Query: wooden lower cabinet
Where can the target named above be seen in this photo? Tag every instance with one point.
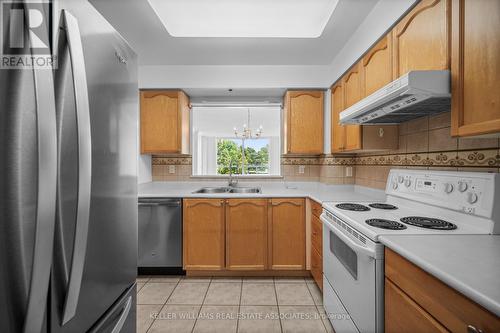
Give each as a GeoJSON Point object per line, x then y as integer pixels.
{"type": "Point", "coordinates": [317, 267]}
{"type": "Point", "coordinates": [414, 297]}
{"type": "Point", "coordinates": [203, 234]}
{"type": "Point", "coordinates": [287, 250]}
{"type": "Point", "coordinates": [316, 244]}
{"type": "Point", "coordinates": [246, 234]}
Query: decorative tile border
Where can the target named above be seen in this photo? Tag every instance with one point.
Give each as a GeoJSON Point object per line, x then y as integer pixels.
{"type": "Point", "coordinates": [172, 160]}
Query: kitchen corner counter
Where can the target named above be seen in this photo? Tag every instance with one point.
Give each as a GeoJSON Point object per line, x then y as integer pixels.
{"type": "Point", "coordinates": [316, 191]}
{"type": "Point", "coordinates": [468, 263]}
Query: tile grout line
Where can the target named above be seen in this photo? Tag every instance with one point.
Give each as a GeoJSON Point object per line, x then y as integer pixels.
{"type": "Point", "coordinates": [277, 304]}
{"type": "Point", "coordinates": [201, 306]}
{"type": "Point", "coordinates": [316, 306]}
{"type": "Point", "coordinates": [239, 307]}
{"type": "Point", "coordinates": [164, 304]}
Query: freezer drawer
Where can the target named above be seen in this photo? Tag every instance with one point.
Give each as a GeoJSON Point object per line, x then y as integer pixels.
{"type": "Point", "coordinates": [160, 233]}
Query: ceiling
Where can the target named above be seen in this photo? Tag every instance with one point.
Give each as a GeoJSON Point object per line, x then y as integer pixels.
{"type": "Point", "coordinates": [141, 27]}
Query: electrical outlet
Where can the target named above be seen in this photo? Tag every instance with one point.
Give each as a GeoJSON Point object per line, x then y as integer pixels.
{"type": "Point", "coordinates": [171, 169]}
{"type": "Point", "coordinates": [302, 169]}
{"type": "Point", "coordinates": [348, 171]}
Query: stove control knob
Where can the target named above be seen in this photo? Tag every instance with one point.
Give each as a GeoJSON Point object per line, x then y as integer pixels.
{"type": "Point", "coordinates": [394, 185]}
{"type": "Point", "coordinates": [400, 179]}
{"type": "Point", "coordinates": [472, 197]}
{"type": "Point", "coordinates": [448, 188]}
{"type": "Point", "coordinates": [408, 182]}
{"type": "Point", "coordinates": [462, 186]}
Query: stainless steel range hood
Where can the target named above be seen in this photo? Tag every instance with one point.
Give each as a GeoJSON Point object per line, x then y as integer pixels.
{"type": "Point", "coordinates": [416, 94]}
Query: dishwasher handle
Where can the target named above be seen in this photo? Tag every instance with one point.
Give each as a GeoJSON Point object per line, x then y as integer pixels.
{"type": "Point", "coordinates": [153, 203]}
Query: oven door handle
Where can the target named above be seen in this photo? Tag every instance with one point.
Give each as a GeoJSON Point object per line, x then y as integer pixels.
{"type": "Point", "coordinates": [352, 244]}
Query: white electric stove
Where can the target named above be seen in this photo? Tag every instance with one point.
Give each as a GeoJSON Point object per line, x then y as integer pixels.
{"type": "Point", "coordinates": [418, 202]}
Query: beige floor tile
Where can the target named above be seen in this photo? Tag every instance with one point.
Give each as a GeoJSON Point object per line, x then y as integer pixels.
{"type": "Point", "coordinates": [217, 319]}
{"type": "Point", "coordinates": [165, 278]}
{"type": "Point", "coordinates": [289, 279]}
{"type": "Point", "coordinates": [225, 293]}
{"type": "Point", "coordinates": [155, 293]}
{"type": "Point", "coordinates": [193, 279]}
{"type": "Point", "coordinates": [140, 285]}
{"type": "Point", "coordinates": [258, 294]}
{"type": "Point", "coordinates": [301, 319]}
{"type": "Point", "coordinates": [189, 293]}
{"type": "Point", "coordinates": [145, 316]}
{"type": "Point", "coordinates": [251, 279]}
{"type": "Point", "coordinates": [316, 294]}
{"type": "Point", "coordinates": [219, 279]}
{"type": "Point", "coordinates": [293, 294]}
{"type": "Point", "coordinates": [175, 319]}
{"type": "Point", "coordinates": [259, 319]}
{"type": "Point", "coordinates": [143, 278]}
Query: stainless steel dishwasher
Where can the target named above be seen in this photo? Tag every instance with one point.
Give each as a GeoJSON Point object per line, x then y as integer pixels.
{"type": "Point", "coordinates": [160, 235]}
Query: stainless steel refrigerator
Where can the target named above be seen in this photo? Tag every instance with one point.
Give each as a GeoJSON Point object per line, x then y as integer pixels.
{"type": "Point", "coordinates": [68, 181]}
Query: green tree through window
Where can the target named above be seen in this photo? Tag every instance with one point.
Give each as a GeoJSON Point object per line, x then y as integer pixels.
{"type": "Point", "coordinates": [256, 161]}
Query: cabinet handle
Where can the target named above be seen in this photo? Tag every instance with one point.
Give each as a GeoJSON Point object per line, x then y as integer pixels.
{"type": "Point", "coordinates": [472, 329]}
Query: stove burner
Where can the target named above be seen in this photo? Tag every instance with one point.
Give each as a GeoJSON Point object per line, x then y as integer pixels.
{"type": "Point", "coordinates": [429, 223]}
{"type": "Point", "coordinates": [385, 224]}
{"type": "Point", "coordinates": [353, 207]}
{"type": "Point", "coordinates": [382, 206]}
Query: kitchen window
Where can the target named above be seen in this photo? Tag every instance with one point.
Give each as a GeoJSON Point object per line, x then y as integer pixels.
{"type": "Point", "coordinates": [239, 140]}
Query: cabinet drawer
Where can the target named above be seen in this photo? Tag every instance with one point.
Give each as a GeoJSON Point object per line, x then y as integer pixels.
{"type": "Point", "coordinates": [452, 309]}
{"type": "Point", "coordinates": [317, 234]}
{"type": "Point", "coordinates": [402, 314]}
{"type": "Point", "coordinates": [316, 208]}
{"type": "Point", "coordinates": [317, 268]}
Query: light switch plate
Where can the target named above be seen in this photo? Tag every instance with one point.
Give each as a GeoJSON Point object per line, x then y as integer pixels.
{"type": "Point", "coordinates": [171, 169]}
{"type": "Point", "coordinates": [302, 169]}
{"type": "Point", "coordinates": [348, 171]}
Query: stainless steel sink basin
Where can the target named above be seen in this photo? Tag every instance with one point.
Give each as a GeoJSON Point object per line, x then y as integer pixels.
{"type": "Point", "coordinates": [218, 190]}
{"type": "Point", "coordinates": [208, 190]}
{"type": "Point", "coordinates": [245, 190]}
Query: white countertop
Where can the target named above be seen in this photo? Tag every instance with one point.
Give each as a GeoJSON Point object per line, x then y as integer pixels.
{"type": "Point", "coordinates": [314, 190]}
{"type": "Point", "coordinates": [468, 263]}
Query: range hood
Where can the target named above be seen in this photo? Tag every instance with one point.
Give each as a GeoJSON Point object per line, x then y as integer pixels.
{"type": "Point", "coordinates": [416, 94]}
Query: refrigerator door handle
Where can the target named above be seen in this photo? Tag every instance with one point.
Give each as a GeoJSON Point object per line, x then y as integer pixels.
{"type": "Point", "coordinates": [70, 26]}
{"type": "Point", "coordinates": [46, 197]}
{"type": "Point", "coordinates": [126, 310]}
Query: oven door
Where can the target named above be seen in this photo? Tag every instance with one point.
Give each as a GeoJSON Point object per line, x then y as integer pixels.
{"type": "Point", "coordinates": [354, 269]}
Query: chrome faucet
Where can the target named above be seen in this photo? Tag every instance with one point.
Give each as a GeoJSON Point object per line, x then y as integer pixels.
{"type": "Point", "coordinates": [232, 182]}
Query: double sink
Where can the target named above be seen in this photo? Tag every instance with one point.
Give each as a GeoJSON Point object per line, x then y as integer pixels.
{"type": "Point", "coordinates": [228, 189]}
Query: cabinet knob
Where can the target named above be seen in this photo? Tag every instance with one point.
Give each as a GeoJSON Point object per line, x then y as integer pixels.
{"type": "Point", "coordinates": [472, 329]}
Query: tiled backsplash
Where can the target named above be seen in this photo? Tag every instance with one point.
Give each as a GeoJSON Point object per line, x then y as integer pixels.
{"type": "Point", "coordinates": [424, 143]}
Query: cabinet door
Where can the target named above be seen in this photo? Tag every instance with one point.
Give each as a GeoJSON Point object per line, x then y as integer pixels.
{"type": "Point", "coordinates": [305, 122]}
{"type": "Point", "coordinates": [160, 122]}
{"type": "Point", "coordinates": [403, 315]}
{"type": "Point", "coordinates": [338, 131]}
{"type": "Point", "coordinates": [203, 234]}
{"type": "Point", "coordinates": [246, 234]}
{"type": "Point", "coordinates": [287, 243]}
{"type": "Point", "coordinates": [475, 67]}
{"type": "Point", "coordinates": [421, 38]}
{"type": "Point", "coordinates": [352, 95]}
{"type": "Point", "coordinates": [376, 66]}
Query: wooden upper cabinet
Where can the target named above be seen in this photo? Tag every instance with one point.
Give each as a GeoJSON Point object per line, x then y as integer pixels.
{"type": "Point", "coordinates": [337, 130]}
{"type": "Point", "coordinates": [164, 122]}
{"type": "Point", "coordinates": [352, 94]}
{"type": "Point", "coordinates": [246, 234]}
{"type": "Point", "coordinates": [421, 38]}
{"type": "Point", "coordinates": [475, 68]}
{"type": "Point", "coordinates": [287, 245]}
{"type": "Point", "coordinates": [304, 122]}
{"type": "Point", "coordinates": [203, 234]}
{"type": "Point", "coordinates": [376, 66]}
